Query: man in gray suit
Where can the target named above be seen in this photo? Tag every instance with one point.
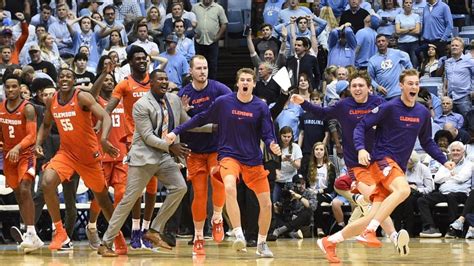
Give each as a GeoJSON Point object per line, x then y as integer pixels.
{"type": "Point", "coordinates": [156, 113]}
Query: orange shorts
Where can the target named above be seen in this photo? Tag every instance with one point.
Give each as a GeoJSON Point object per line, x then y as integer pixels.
{"type": "Point", "coordinates": [362, 174]}
{"type": "Point", "coordinates": [24, 169]}
{"type": "Point", "coordinates": [115, 173]}
{"type": "Point", "coordinates": [384, 172]}
{"type": "Point", "coordinates": [65, 166]}
{"type": "Point", "coordinates": [255, 177]}
{"type": "Point", "coordinates": [200, 164]}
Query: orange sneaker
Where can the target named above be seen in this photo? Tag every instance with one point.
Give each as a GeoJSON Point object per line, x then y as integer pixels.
{"type": "Point", "coordinates": [369, 239]}
{"type": "Point", "coordinates": [120, 245]}
{"type": "Point", "coordinates": [328, 248]}
{"type": "Point", "coordinates": [198, 247]}
{"type": "Point", "coordinates": [218, 231]}
{"type": "Point", "coordinates": [59, 239]}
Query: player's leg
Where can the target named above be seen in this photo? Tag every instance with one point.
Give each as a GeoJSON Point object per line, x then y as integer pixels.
{"type": "Point", "coordinates": [198, 174]}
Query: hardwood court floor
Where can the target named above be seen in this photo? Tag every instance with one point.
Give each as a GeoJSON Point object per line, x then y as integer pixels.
{"type": "Point", "coordinates": [287, 252]}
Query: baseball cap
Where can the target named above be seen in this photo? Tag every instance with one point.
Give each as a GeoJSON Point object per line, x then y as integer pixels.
{"type": "Point", "coordinates": [374, 22]}
{"type": "Point", "coordinates": [34, 47]}
{"type": "Point", "coordinates": [341, 86]}
{"type": "Point", "coordinates": [6, 31]}
{"type": "Point", "coordinates": [172, 38]}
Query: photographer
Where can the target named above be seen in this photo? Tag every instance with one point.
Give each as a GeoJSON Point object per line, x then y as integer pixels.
{"type": "Point", "coordinates": [295, 208]}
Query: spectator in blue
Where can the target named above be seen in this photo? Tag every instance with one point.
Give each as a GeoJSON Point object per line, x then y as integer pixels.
{"type": "Point", "coordinates": [44, 17]}
{"type": "Point", "coordinates": [385, 67]}
{"type": "Point", "coordinates": [459, 79]}
{"type": "Point", "coordinates": [388, 12]}
{"type": "Point", "coordinates": [90, 7]}
{"type": "Point", "coordinates": [355, 15]}
{"type": "Point", "coordinates": [338, 6]}
{"type": "Point", "coordinates": [342, 45]}
{"type": "Point", "coordinates": [177, 14]}
{"type": "Point", "coordinates": [177, 67]}
{"type": "Point", "coordinates": [110, 22]}
{"type": "Point", "coordinates": [290, 117]}
{"type": "Point", "coordinates": [185, 44]}
{"type": "Point", "coordinates": [293, 10]}
{"type": "Point", "coordinates": [448, 115]}
{"type": "Point", "coordinates": [437, 24]}
{"type": "Point", "coordinates": [303, 29]}
{"type": "Point", "coordinates": [408, 28]}
{"type": "Point", "coordinates": [59, 30]}
{"type": "Point", "coordinates": [365, 38]}
{"type": "Point", "coordinates": [271, 11]}
{"type": "Point", "coordinates": [418, 7]}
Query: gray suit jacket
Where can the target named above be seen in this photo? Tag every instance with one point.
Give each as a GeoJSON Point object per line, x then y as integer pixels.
{"type": "Point", "coordinates": [147, 146]}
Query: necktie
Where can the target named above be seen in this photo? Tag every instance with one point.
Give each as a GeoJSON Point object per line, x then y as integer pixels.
{"type": "Point", "coordinates": [164, 125]}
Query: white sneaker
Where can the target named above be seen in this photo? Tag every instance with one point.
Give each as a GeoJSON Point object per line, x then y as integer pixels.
{"type": "Point", "coordinates": [239, 244]}
{"type": "Point", "coordinates": [93, 237]}
{"type": "Point", "coordinates": [470, 233]}
{"type": "Point", "coordinates": [31, 242]}
{"type": "Point", "coordinates": [297, 234]}
{"type": "Point", "coordinates": [263, 250]}
{"type": "Point", "coordinates": [403, 238]}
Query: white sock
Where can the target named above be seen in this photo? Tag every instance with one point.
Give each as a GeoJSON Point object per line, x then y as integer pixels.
{"type": "Point", "coordinates": [92, 225]}
{"type": "Point", "coordinates": [393, 236]}
{"type": "Point", "coordinates": [238, 232]}
{"type": "Point", "coordinates": [198, 234]}
{"type": "Point", "coordinates": [342, 224]}
{"type": "Point", "coordinates": [336, 238]}
{"type": "Point", "coordinates": [135, 224]}
{"type": "Point", "coordinates": [53, 226]}
{"type": "Point", "coordinates": [261, 238]}
{"type": "Point", "coordinates": [373, 225]}
{"type": "Point", "coordinates": [31, 229]}
{"type": "Point", "coordinates": [145, 225]}
{"type": "Point", "coordinates": [217, 216]}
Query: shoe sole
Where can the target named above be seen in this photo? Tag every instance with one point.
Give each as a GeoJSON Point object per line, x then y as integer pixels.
{"type": "Point", "coordinates": [321, 247]}
{"type": "Point", "coordinates": [16, 234]}
{"type": "Point", "coordinates": [239, 245]}
{"type": "Point", "coordinates": [62, 246]}
{"type": "Point", "coordinates": [261, 255]}
{"type": "Point", "coordinates": [368, 244]}
{"type": "Point", "coordinates": [402, 243]}
{"type": "Point", "coordinates": [430, 235]}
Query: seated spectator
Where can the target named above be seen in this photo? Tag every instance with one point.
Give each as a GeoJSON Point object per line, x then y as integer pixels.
{"type": "Point", "coordinates": [84, 78]}
{"type": "Point", "coordinates": [429, 66]}
{"type": "Point", "coordinates": [185, 45]}
{"type": "Point", "coordinates": [329, 85]}
{"type": "Point", "coordinates": [342, 45]}
{"type": "Point", "coordinates": [48, 51]}
{"type": "Point", "coordinates": [177, 13]}
{"type": "Point", "coordinates": [290, 162]}
{"type": "Point", "coordinates": [295, 209]}
{"type": "Point", "coordinates": [457, 227]}
{"type": "Point", "coordinates": [177, 67]}
{"type": "Point", "coordinates": [321, 177]}
{"type": "Point", "coordinates": [143, 40]}
{"type": "Point", "coordinates": [44, 17]}
{"type": "Point", "coordinates": [155, 24]}
{"type": "Point", "coordinates": [448, 115]}
{"type": "Point", "coordinates": [454, 187]}
{"type": "Point", "coordinates": [442, 138]}
{"type": "Point", "coordinates": [458, 134]}
{"type": "Point", "coordinates": [421, 183]}
{"type": "Point", "coordinates": [28, 75]}
{"type": "Point", "coordinates": [266, 88]}
{"type": "Point", "coordinates": [116, 44]}
{"type": "Point", "coordinates": [60, 33]}
{"type": "Point", "coordinates": [41, 65]}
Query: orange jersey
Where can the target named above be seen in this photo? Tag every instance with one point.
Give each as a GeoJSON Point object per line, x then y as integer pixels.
{"type": "Point", "coordinates": [117, 132]}
{"type": "Point", "coordinates": [130, 90]}
{"type": "Point", "coordinates": [77, 137]}
{"type": "Point", "coordinates": [13, 126]}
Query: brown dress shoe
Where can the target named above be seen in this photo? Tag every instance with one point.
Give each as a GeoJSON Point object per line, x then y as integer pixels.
{"type": "Point", "coordinates": [155, 238]}
{"type": "Point", "coordinates": [105, 251]}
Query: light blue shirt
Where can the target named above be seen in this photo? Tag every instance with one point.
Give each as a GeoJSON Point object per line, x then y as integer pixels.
{"type": "Point", "coordinates": [407, 22]}
{"type": "Point", "coordinates": [337, 6]}
{"type": "Point", "coordinates": [453, 118]}
{"type": "Point", "coordinates": [186, 47]}
{"type": "Point", "coordinates": [388, 27]}
{"type": "Point", "coordinates": [290, 116]}
{"type": "Point", "coordinates": [287, 13]}
{"type": "Point", "coordinates": [385, 69]}
{"type": "Point", "coordinates": [367, 47]}
{"type": "Point", "coordinates": [271, 11]}
{"type": "Point", "coordinates": [437, 23]}
{"type": "Point", "coordinates": [459, 75]}
{"type": "Point", "coordinates": [90, 40]}
{"type": "Point", "coordinates": [177, 67]}
{"type": "Point", "coordinates": [341, 55]}
{"type": "Point", "coordinates": [62, 36]}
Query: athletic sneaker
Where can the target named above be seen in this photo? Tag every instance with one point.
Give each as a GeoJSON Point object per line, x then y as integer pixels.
{"type": "Point", "coordinates": [470, 233]}
{"type": "Point", "coordinates": [136, 239]}
{"type": "Point", "coordinates": [403, 238]}
{"type": "Point", "coordinates": [146, 243]}
{"type": "Point", "coordinates": [263, 250]}
{"type": "Point", "coordinates": [31, 242]}
{"type": "Point", "coordinates": [93, 237]}
{"type": "Point", "coordinates": [16, 234]}
{"type": "Point", "coordinates": [431, 232]}
{"type": "Point", "coordinates": [297, 234]}
{"type": "Point", "coordinates": [198, 247]}
{"type": "Point", "coordinates": [120, 245]}
{"type": "Point", "coordinates": [457, 225]}
{"type": "Point", "coordinates": [369, 239]}
{"type": "Point", "coordinates": [106, 251]}
{"type": "Point", "coordinates": [59, 239]}
{"type": "Point", "coordinates": [239, 243]}
{"type": "Point", "coordinates": [451, 233]}
{"type": "Point", "coordinates": [218, 231]}
{"type": "Point", "coordinates": [329, 249]}
{"type": "Point", "coordinates": [67, 246]}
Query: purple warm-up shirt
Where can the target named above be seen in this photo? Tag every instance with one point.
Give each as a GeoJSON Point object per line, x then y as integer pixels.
{"type": "Point", "coordinates": [398, 126]}
{"type": "Point", "coordinates": [201, 100]}
{"type": "Point", "coordinates": [240, 127]}
{"type": "Point", "coordinates": [348, 112]}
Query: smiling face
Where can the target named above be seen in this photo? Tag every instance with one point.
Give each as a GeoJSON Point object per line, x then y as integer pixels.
{"type": "Point", "coordinates": [457, 153]}
{"type": "Point", "coordinates": [266, 32]}
{"type": "Point", "coordinates": [139, 62]}
{"type": "Point", "coordinates": [410, 87]}
{"type": "Point", "coordinates": [66, 80]}
{"type": "Point", "coordinates": [359, 90]}
{"type": "Point", "coordinates": [12, 89]}
{"type": "Point", "coordinates": [319, 151]}
{"type": "Point", "coordinates": [303, 84]}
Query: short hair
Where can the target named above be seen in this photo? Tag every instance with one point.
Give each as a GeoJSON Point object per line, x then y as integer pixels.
{"type": "Point", "coordinates": [363, 74]}
{"type": "Point", "coordinates": [300, 18]}
{"type": "Point", "coordinates": [154, 72]}
{"type": "Point", "coordinates": [107, 8]}
{"type": "Point", "coordinates": [61, 5]}
{"type": "Point", "coordinates": [198, 56]}
{"type": "Point", "coordinates": [39, 84]}
{"type": "Point", "coordinates": [380, 36]}
{"type": "Point", "coordinates": [12, 76]}
{"type": "Point", "coordinates": [459, 39]}
{"type": "Point", "coordinates": [135, 49]}
{"type": "Point", "coordinates": [316, 94]}
{"type": "Point", "coordinates": [264, 25]}
{"type": "Point", "coordinates": [177, 21]}
{"type": "Point", "coordinates": [408, 72]}
{"type": "Point", "coordinates": [80, 21]}
{"type": "Point", "coordinates": [66, 69]}
{"type": "Point", "coordinates": [246, 70]}
{"type": "Point", "coordinates": [80, 56]}
{"type": "Point", "coordinates": [306, 42]}
{"type": "Point", "coordinates": [3, 47]}
{"type": "Point", "coordinates": [46, 7]}
{"type": "Point", "coordinates": [142, 25]}
{"type": "Point", "coordinates": [267, 65]}
{"type": "Point", "coordinates": [456, 143]}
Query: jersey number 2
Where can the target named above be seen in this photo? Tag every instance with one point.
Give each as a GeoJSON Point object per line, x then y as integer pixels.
{"type": "Point", "coordinates": [66, 124]}
{"type": "Point", "coordinates": [11, 132]}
